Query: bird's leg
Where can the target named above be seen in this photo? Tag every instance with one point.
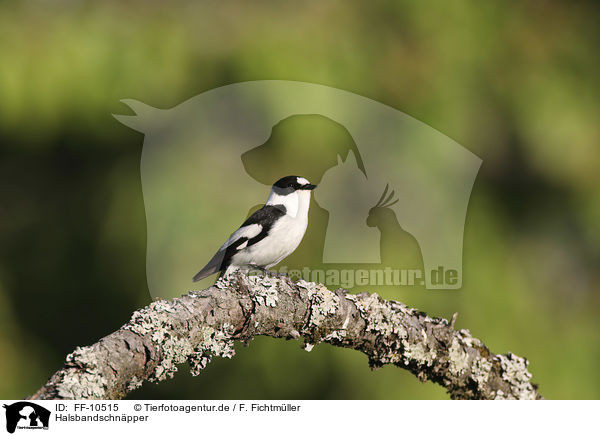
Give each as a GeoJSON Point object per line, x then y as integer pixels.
{"type": "Point", "coordinates": [256, 268]}
{"type": "Point", "coordinates": [265, 271]}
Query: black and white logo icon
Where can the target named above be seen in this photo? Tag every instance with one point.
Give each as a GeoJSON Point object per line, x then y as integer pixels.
{"type": "Point", "coordinates": [26, 415]}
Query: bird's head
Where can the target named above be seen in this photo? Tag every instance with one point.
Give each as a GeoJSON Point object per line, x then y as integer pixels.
{"type": "Point", "coordinates": [291, 192]}
{"type": "Point", "coordinates": [290, 184]}
{"type": "Point", "coordinates": [382, 211]}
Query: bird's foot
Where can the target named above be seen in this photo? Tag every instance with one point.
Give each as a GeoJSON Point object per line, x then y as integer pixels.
{"type": "Point", "coordinates": [260, 270]}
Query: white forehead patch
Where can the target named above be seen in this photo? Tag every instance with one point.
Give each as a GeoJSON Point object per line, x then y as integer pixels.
{"type": "Point", "coordinates": [302, 181]}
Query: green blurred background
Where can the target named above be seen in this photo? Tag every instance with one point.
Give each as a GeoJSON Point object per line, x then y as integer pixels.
{"type": "Point", "coordinates": [514, 82]}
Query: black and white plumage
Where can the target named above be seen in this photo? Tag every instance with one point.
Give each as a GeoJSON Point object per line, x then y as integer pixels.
{"type": "Point", "coordinates": [270, 234]}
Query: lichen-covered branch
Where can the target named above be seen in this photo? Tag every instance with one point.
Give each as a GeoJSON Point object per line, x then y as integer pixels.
{"type": "Point", "coordinates": [238, 307]}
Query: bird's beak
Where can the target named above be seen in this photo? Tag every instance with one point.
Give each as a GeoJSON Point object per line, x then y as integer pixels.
{"type": "Point", "coordinates": [309, 187]}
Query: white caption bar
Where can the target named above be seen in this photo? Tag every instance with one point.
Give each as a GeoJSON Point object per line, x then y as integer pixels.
{"type": "Point", "coordinates": [297, 417]}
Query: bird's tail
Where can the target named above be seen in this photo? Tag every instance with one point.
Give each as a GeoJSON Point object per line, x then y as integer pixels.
{"type": "Point", "coordinates": [204, 272]}
{"type": "Point", "coordinates": [213, 266]}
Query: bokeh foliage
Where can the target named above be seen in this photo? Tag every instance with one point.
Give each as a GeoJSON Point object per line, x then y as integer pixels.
{"type": "Point", "coordinates": [514, 82]}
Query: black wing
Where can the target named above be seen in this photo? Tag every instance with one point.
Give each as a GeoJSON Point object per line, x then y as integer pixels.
{"type": "Point", "coordinates": [265, 217]}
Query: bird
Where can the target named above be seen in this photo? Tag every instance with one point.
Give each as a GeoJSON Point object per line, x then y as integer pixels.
{"type": "Point", "coordinates": [270, 234]}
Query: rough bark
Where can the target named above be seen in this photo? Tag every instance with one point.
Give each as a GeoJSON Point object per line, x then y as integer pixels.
{"type": "Point", "coordinates": [202, 324]}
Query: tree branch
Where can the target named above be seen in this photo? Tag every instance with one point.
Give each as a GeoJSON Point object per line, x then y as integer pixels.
{"type": "Point", "coordinates": [202, 324]}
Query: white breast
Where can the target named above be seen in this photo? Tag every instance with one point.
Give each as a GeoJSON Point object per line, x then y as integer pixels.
{"type": "Point", "coordinates": [283, 238]}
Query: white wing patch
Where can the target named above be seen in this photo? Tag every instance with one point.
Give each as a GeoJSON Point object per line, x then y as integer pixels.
{"type": "Point", "coordinates": [243, 245]}
{"type": "Point", "coordinates": [243, 232]}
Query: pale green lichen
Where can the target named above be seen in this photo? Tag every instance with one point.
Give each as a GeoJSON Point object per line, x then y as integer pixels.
{"type": "Point", "coordinates": [89, 383]}
{"type": "Point", "coordinates": [462, 362]}
{"type": "Point", "coordinates": [380, 317]}
{"type": "Point", "coordinates": [458, 359]}
{"type": "Point", "coordinates": [515, 373]}
{"type": "Point", "coordinates": [151, 319]}
{"type": "Point", "coordinates": [340, 334]}
{"type": "Point", "coordinates": [264, 289]}
{"type": "Point", "coordinates": [156, 321]}
{"type": "Point", "coordinates": [418, 352]}
{"type": "Point", "coordinates": [323, 302]}
{"type": "Point", "coordinates": [308, 347]}
{"type": "Point", "coordinates": [387, 318]}
{"type": "Point", "coordinates": [175, 352]}
{"type": "Point", "coordinates": [500, 395]}
{"type": "Point", "coordinates": [479, 367]}
{"type": "Point", "coordinates": [480, 370]}
{"type": "Point", "coordinates": [335, 336]}
{"type": "Point", "coordinates": [134, 383]}
{"type": "Point", "coordinates": [213, 343]}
